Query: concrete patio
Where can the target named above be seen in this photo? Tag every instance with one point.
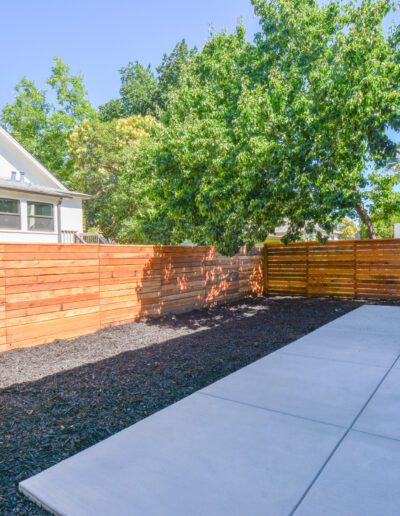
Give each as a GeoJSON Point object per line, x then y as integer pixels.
{"type": "Point", "coordinates": [311, 429]}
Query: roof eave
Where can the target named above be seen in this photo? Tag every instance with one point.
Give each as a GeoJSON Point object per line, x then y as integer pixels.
{"type": "Point", "coordinates": [81, 195]}
{"type": "Point", "coordinates": [63, 194]}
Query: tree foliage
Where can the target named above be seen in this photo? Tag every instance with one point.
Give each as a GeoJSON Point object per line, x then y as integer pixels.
{"type": "Point", "coordinates": [171, 69]}
{"type": "Point", "coordinates": [102, 153]}
{"type": "Point", "coordinates": [144, 93]}
{"type": "Point", "coordinates": [292, 127]}
{"type": "Point", "coordinates": [42, 126]}
{"type": "Point", "coordinates": [280, 130]}
{"type": "Point", "coordinates": [384, 201]}
{"type": "Point", "coordinates": [348, 229]}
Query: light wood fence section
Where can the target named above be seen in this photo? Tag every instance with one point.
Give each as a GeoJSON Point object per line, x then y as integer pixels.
{"type": "Point", "coordinates": [344, 268]}
{"type": "Point", "coordinates": [59, 291]}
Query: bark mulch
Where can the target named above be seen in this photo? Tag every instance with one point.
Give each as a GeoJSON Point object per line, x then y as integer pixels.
{"type": "Point", "coordinates": [60, 398]}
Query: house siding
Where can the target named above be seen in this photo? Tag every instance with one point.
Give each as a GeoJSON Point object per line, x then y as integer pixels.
{"type": "Point", "coordinates": [14, 158]}
{"type": "Point", "coordinates": [71, 218]}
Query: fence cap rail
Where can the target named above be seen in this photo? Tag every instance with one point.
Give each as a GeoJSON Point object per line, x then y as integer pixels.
{"type": "Point", "coordinates": [374, 241]}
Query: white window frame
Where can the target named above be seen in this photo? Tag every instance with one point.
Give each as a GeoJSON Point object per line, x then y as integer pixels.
{"type": "Point", "coordinates": [18, 214]}
{"type": "Point", "coordinates": [52, 217]}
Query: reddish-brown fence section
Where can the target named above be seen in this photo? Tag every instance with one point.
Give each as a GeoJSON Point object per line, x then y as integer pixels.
{"type": "Point", "coordinates": [346, 268]}
{"type": "Point", "coordinates": [57, 291]}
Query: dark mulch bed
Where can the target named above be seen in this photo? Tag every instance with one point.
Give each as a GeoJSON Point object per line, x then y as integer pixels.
{"type": "Point", "coordinates": [60, 398]}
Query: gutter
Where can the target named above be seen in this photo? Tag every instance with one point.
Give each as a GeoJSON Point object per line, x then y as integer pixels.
{"type": "Point", "coordinates": [56, 193]}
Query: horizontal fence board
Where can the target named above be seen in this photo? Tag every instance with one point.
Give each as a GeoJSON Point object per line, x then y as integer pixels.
{"type": "Point", "coordinates": [353, 268]}
{"type": "Point", "coordinates": [58, 291]}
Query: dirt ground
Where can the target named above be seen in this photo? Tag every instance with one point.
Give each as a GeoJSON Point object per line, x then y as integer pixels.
{"type": "Point", "coordinates": [59, 398]}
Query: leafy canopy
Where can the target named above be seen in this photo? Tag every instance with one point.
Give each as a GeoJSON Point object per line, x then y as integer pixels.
{"type": "Point", "coordinates": [42, 126]}
{"type": "Point", "coordinates": [283, 129]}
{"type": "Point", "coordinates": [142, 92]}
{"type": "Point", "coordinates": [289, 128]}
{"type": "Point", "coordinates": [102, 152]}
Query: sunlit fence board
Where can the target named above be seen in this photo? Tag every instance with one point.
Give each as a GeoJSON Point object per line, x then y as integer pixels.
{"type": "Point", "coordinates": [51, 291]}
{"type": "Point", "coordinates": [345, 268]}
{"type": "Point", "coordinates": [378, 269]}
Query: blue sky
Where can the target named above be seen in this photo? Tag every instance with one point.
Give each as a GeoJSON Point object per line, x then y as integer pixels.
{"type": "Point", "coordinates": [97, 37]}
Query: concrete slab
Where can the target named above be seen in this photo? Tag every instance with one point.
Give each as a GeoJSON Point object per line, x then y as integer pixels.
{"type": "Point", "coordinates": [201, 456]}
{"type": "Point", "coordinates": [280, 444]}
{"type": "Point", "coordinates": [361, 479]}
{"type": "Point", "coordinates": [371, 319]}
{"type": "Point", "coordinates": [323, 390]}
{"type": "Point", "coordinates": [335, 343]}
{"type": "Point", "coordinates": [382, 414]}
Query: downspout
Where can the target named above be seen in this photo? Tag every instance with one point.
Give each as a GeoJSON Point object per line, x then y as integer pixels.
{"type": "Point", "coordinates": [59, 221]}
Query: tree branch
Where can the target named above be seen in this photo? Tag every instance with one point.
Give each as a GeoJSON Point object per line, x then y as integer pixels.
{"type": "Point", "coordinates": [366, 220]}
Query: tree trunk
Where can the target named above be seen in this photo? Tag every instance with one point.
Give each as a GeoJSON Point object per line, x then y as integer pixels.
{"type": "Point", "coordinates": [366, 220]}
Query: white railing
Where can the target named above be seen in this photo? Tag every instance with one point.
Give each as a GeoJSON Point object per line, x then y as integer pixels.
{"type": "Point", "coordinates": [73, 237]}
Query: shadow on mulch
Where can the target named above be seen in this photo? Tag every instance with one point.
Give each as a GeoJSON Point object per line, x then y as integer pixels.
{"type": "Point", "coordinates": [45, 421]}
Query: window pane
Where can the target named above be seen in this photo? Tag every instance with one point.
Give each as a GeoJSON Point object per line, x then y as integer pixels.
{"type": "Point", "coordinates": [40, 224]}
{"type": "Point", "coordinates": [40, 208]}
{"type": "Point", "coordinates": [9, 206]}
{"type": "Point", "coordinates": [10, 221]}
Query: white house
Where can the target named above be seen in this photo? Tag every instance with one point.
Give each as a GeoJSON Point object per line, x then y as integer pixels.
{"type": "Point", "coordinates": [34, 205]}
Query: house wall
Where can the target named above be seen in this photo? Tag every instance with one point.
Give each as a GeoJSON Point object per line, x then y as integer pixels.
{"type": "Point", "coordinates": [71, 215]}
{"type": "Point", "coordinates": [14, 158]}
{"type": "Point", "coordinates": [71, 218]}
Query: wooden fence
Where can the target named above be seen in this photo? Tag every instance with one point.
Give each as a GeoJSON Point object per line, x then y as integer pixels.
{"type": "Point", "coordinates": [58, 291]}
{"type": "Point", "coordinates": [345, 268]}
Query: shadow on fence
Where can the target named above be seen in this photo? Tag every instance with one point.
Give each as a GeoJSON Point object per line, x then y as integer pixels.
{"type": "Point", "coordinates": [170, 279]}
{"type": "Point", "coordinates": [58, 291]}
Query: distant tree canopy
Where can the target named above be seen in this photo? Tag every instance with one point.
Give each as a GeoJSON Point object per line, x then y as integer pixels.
{"type": "Point", "coordinates": [347, 229]}
{"type": "Point", "coordinates": [222, 145]}
{"type": "Point", "coordinates": [142, 92]}
{"type": "Point", "coordinates": [42, 126]}
{"type": "Point", "coordinates": [102, 153]}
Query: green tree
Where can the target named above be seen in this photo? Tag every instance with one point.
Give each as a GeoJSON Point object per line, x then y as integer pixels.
{"type": "Point", "coordinates": [348, 229]}
{"type": "Point", "coordinates": [27, 117]}
{"type": "Point", "coordinates": [102, 153]}
{"type": "Point", "coordinates": [43, 127]}
{"type": "Point", "coordinates": [111, 110]}
{"type": "Point", "coordinates": [384, 201]}
{"type": "Point", "coordinates": [280, 130]}
{"type": "Point", "coordinates": [142, 92]}
{"type": "Point", "coordinates": [343, 88]}
{"type": "Point", "coordinates": [171, 69]}
{"type": "Point", "coordinates": [138, 93]}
